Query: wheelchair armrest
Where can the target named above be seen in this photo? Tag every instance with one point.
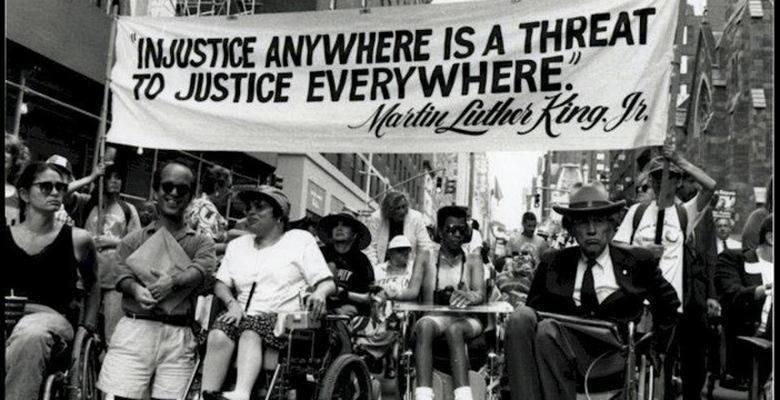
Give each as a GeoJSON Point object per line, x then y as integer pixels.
{"type": "Point", "coordinates": [337, 317]}
{"type": "Point", "coordinates": [755, 343]}
{"type": "Point", "coordinates": [596, 323]}
{"type": "Point", "coordinates": [646, 337]}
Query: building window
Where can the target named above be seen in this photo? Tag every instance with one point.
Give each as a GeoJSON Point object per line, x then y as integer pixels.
{"type": "Point", "coordinates": [756, 10]}
{"type": "Point", "coordinates": [683, 65]}
{"type": "Point", "coordinates": [685, 35]}
{"type": "Point", "coordinates": [758, 97]}
{"type": "Point", "coordinates": [703, 108]}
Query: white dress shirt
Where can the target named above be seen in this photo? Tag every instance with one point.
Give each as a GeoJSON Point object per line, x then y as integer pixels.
{"type": "Point", "coordinates": [733, 245]}
{"type": "Point", "coordinates": [604, 280]}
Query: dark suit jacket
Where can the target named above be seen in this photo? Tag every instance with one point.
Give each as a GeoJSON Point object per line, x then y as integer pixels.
{"type": "Point", "coordinates": [637, 274]}
{"type": "Point", "coordinates": [741, 310]}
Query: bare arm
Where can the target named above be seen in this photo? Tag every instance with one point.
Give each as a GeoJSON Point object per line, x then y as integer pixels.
{"type": "Point", "coordinates": [708, 184]}
{"type": "Point", "coordinates": [92, 177]}
{"type": "Point", "coordinates": [418, 275]}
{"type": "Point", "coordinates": [86, 256]}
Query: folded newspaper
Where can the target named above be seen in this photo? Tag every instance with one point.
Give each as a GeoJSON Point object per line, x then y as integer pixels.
{"type": "Point", "coordinates": [163, 254]}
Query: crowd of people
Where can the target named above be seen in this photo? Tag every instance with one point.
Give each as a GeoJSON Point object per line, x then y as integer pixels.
{"type": "Point", "coordinates": [142, 277]}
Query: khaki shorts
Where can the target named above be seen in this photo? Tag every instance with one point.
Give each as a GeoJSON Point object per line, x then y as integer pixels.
{"type": "Point", "coordinates": [148, 358]}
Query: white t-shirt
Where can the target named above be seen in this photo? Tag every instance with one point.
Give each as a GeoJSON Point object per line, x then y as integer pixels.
{"type": "Point", "coordinates": [281, 271]}
{"type": "Point", "coordinates": [671, 263]}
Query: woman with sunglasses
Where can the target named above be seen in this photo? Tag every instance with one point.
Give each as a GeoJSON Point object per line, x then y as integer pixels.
{"type": "Point", "coordinates": [45, 258]}
{"type": "Point", "coordinates": [456, 280]}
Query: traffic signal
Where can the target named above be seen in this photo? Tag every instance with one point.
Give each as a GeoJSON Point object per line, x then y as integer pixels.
{"type": "Point", "coordinates": [450, 186]}
{"type": "Point", "coordinates": [275, 181]}
{"type": "Point", "coordinates": [537, 200]}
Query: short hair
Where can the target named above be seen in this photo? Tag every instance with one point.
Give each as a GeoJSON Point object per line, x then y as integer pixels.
{"type": "Point", "coordinates": [766, 227]}
{"type": "Point", "coordinates": [215, 176]}
{"type": "Point", "coordinates": [529, 216]}
{"type": "Point", "coordinates": [450, 211]}
{"type": "Point", "coordinates": [729, 220]}
{"type": "Point", "coordinates": [158, 176]}
{"type": "Point", "coordinates": [474, 224]}
{"type": "Point", "coordinates": [392, 198]}
{"type": "Point", "coordinates": [20, 155]}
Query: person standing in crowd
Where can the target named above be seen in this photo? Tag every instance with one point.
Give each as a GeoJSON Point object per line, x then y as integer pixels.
{"type": "Point", "coordinates": [644, 191]}
{"type": "Point", "coordinates": [202, 215]}
{"type": "Point", "coordinates": [723, 227]}
{"type": "Point", "coordinates": [345, 237]}
{"type": "Point", "coordinates": [17, 155]}
{"type": "Point", "coordinates": [745, 281]}
{"type": "Point", "coordinates": [750, 235]}
{"type": "Point", "coordinates": [392, 219]}
{"type": "Point", "coordinates": [528, 235]}
{"type": "Point", "coordinates": [594, 279]}
{"type": "Point", "coordinates": [475, 244]}
{"type": "Point", "coordinates": [457, 281]}
{"type": "Point", "coordinates": [153, 350]}
{"type": "Point", "coordinates": [74, 206]}
{"type": "Point", "coordinates": [119, 219]}
{"type": "Point", "coordinates": [268, 268]}
{"type": "Point", "coordinates": [44, 259]}
{"type": "Point", "coordinates": [678, 261]}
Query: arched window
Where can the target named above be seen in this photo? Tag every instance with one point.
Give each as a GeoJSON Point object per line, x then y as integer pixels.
{"type": "Point", "coordinates": [703, 110]}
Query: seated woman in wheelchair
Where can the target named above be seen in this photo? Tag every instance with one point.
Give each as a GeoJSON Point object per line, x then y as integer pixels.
{"type": "Point", "coordinates": [594, 279]}
{"type": "Point", "coordinates": [45, 259]}
{"type": "Point", "coordinates": [268, 269]}
{"type": "Point", "coordinates": [456, 280]}
{"type": "Point", "coordinates": [397, 279]}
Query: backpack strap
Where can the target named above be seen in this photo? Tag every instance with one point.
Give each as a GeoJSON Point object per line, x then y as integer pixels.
{"type": "Point", "coordinates": [682, 214]}
{"type": "Point", "coordinates": [640, 211]}
{"type": "Point", "coordinates": [126, 210]}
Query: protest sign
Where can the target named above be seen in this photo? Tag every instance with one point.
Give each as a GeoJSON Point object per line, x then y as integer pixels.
{"type": "Point", "coordinates": [726, 205]}
{"type": "Point", "coordinates": [482, 76]}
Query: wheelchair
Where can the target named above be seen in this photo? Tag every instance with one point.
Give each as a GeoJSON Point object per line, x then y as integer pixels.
{"type": "Point", "coordinates": [629, 372]}
{"type": "Point", "coordinates": [73, 374]}
{"type": "Point", "coordinates": [484, 353]}
{"type": "Point", "coordinates": [317, 363]}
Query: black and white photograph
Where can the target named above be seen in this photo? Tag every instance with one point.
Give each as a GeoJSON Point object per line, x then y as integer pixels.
{"type": "Point", "coordinates": [389, 200]}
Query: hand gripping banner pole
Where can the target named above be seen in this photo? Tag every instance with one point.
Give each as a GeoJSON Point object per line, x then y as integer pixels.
{"type": "Point", "coordinates": [100, 142]}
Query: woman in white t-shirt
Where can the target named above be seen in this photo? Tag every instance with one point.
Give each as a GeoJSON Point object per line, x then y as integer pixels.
{"type": "Point", "coordinates": [267, 269]}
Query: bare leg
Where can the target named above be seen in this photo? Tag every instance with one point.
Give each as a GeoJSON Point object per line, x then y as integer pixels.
{"type": "Point", "coordinates": [456, 334]}
{"type": "Point", "coordinates": [219, 351]}
{"type": "Point", "coordinates": [249, 360]}
{"type": "Point", "coordinates": [425, 331]}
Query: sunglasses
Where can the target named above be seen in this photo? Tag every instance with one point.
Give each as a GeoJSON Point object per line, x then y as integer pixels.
{"type": "Point", "coordinates": [643, 189]}
{"type": "Point", "coordinates": [456, 229]}
{"type": "Point", "coordinates": [47, 186]}
{"type": "Point", "coordinates": [181, 190]}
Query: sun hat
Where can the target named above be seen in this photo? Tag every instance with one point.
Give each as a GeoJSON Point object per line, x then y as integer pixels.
{"type": "Point", "coordinates": [269, 193]}
{"type": "Point", "coordinates": [326, 225]}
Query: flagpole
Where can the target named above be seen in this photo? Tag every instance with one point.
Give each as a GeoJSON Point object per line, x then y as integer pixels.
{"type": "Point", "coordinates": [101, 136]}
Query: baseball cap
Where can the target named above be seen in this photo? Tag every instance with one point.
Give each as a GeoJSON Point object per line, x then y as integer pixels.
{"type": "Point", "coordinates": [61, 163]}
{"type": "Point", "coordinates": [399, 242]}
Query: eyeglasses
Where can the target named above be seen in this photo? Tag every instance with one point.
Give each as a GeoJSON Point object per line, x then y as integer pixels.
{"type": "Point", "coordinates": [181, 190]}
{"type": "Point", "coordinates": [456, 229]}
{"type": "Point", "coordinates": [47, 186]}
{"type": "Point", "coordinates": [643, 189]}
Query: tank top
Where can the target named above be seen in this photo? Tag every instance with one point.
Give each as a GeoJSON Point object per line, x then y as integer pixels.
{"type": "Point", "coordinates": [48, 277]}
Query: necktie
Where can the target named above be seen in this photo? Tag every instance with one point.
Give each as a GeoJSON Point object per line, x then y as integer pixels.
{"type": "Point", "coordinates": [588, 298]}
{"type": "Point", "coordinates": [725, 247]}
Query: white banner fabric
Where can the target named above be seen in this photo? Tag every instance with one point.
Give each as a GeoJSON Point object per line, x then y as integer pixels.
{"type": "Point", "coordinates": [475, 76]}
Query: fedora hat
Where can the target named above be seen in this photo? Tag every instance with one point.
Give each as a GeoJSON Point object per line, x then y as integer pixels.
{"type": "Point", "coordinates": [268, 193]}
{"type": "Point", "coordinates": [326, 225]}
{"type": "Point", "coordinates": [590, 199]}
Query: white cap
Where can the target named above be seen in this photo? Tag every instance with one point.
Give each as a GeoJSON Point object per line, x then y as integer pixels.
{"type": "Point", "coordinates": [400, 241]}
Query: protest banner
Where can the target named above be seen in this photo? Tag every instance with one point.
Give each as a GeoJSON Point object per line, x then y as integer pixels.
{"type": "Point", "coordinates": [553, 75]}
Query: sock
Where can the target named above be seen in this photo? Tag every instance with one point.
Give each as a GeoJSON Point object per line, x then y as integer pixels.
{"type": "Point", "coordinates": [423, 393]}
{"type": "Point", "coordinates": [463, 393]}
{"type": "Point", "coordinates": [235, 395]}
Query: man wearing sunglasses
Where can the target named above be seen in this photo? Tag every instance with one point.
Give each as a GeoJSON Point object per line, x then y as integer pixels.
{"type": "Point", "coordinates": [679, 262]}
{"type": "Point", "coordinates": [153, 351]}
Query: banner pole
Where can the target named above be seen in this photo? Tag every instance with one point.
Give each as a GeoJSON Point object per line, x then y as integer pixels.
{"type": "Point", "coordinates": [100, 147]}
{"type": "Point", "coordinates": [20, 104]}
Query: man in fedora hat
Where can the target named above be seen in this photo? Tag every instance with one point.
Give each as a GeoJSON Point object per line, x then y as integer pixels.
{"type": "Point", "coordinates": [594, 279]}
{"type": "Point", "coordinates": [345, 237]}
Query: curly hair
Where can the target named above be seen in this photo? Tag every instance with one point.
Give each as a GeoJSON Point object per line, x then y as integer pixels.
{"type": "Point", "coordinates": [20, 156]}
{"type": "Point", "coordinates": [392, 198]}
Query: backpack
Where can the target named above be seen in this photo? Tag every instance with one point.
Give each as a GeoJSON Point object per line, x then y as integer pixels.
{"type": "Point", "coordinates": [695, 279]}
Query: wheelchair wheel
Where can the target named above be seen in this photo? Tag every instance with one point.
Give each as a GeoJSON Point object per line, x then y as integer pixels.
{"type": "Point", "coordinates": [85, 368]}
{"type": "Point", "coordinates": [346, 378]}
{"type": "Point", "coordinates": [340, 339]}
{"type": "Point", "coordinates": [54, 387]}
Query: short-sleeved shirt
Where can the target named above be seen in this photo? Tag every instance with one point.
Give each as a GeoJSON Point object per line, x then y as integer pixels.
{"type": "Point", "coordinates": [200, 249]}
{"type": "Point", "coordinates": [204, 217]}
{"type": "Point", "coordinates": [114, 226]}
{"type": "Point", "coordinates": [671, 262]}
{"type": "Point", "coordinates": [354, 273]}
{"type": "Point", "coordinates": [280, 271]}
